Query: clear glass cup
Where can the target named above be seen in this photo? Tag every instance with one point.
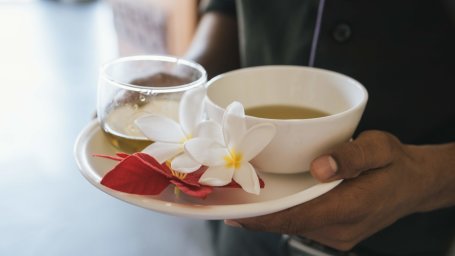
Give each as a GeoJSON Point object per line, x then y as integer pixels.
{"type": "Point", "coordinates": [131, 87]}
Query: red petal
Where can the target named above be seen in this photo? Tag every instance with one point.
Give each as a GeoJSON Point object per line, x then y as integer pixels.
{"type": "Point", "coordinates": [115, 158]}
{"type": "Point", "coordinates": [154, 164]}
{"type": "Point", "coordinates": [193, 177]}
{"type": "Point", "coordinates": [132, 175]}
{"type": "Point", "coordinates": [199, 192]}
{"type": "Point", "coordinates": [122, 155]}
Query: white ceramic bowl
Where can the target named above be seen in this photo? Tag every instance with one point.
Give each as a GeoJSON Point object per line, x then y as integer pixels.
{"type": "Point", "coordinates": [297, 141]}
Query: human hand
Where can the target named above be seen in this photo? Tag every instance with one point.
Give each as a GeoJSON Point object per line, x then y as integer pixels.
{"type": "Point", "coordinates": [384, 181]}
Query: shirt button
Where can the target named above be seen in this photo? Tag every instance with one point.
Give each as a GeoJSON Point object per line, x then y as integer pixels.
{"type": "Point", "coordinates": [342, 32]}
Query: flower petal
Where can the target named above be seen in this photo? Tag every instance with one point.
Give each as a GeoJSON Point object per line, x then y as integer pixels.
{"type": "Point", "coordinates": [159, 128]}
{"type": "Point", "coordinates": [115, 158]}
{"type": "Point", "coordinates": [217, 176]}
{"type": "Point", "coordinates": [247, 178]}
{"type": "Point", "coordinates": [234, 125]}
{"type": "Point", "coordinates": [193, 178]}
{"type": "Point", "coordinates": [163, 151]}
{"type": "Point", "coordinates": [255, 140]}
{"type": "Point", "coordinates": [132, 175]}
{"type": "Point", "coordinates": [210, 129]}
{"type": "Point", "coordinates": [206, 151]}
{"type": "Point", "coordinates": [199, 192]}
{"type": "Point", "coordinates": [191, 109]}
{"type": "Point", "coordinates": [236, 108]}
{"type": "Point", "coordinates": [185, 164]}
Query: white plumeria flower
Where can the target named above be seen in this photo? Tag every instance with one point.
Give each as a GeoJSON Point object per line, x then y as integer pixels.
{"type": "Point", "coordinates": [169, 136]}
{"type": "Point", "coordinates": [228, 157]}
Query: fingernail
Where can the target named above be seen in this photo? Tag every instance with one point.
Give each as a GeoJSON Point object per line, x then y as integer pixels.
{"type": "Point", "coordinates": [324, 167]}
{"type": "Point", "coordinates": [232, 223]}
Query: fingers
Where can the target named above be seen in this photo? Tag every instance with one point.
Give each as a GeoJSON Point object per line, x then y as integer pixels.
{"type": "Point", "coordinates": [340, 218]}
{"type": "Point", "coordinates": [371, 150]}
{"type": "Point", "coordinates": [312, 215]}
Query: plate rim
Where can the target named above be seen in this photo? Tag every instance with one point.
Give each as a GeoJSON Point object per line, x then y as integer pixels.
{"type": "Point", "coordinates": [192, 210]}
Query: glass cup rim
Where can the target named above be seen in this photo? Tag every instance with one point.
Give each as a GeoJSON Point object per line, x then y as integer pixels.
{"type": "Point", "coordinates": [163, 58]}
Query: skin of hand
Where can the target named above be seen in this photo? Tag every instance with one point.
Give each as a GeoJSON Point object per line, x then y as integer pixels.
{"type": "Point", "coordinates": [215, 45]}
{"type": "Point", "coordinates": [384, 180]}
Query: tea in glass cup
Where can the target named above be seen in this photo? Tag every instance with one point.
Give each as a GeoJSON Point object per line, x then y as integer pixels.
{"type": "Point", "coordinates": [135, 86]}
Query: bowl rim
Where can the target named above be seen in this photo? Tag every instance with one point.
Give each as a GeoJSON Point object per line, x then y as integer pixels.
{"type": "Point", "coordinates": [354, 82]}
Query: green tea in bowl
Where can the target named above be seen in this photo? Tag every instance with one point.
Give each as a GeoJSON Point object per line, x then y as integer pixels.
{"type": "Point", "coordinates": [312, 109]}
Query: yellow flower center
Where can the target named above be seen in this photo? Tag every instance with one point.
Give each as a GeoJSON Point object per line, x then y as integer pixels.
{"type": "Point", "coordinates": [187, 138]}
{"type": "Point", "coordinates": [179, 175]}
{"type": "Point", "coordinates": [234, 159]}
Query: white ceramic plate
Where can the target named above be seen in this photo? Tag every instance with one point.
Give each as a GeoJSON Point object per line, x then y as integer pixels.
{"type": "Point", "coordinates": [280, 192]}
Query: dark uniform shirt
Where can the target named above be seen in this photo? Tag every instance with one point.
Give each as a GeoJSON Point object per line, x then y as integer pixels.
{"type": "Point", "coordinates": [403, 52]}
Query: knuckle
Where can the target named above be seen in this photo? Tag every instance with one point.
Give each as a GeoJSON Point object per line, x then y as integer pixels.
{"type": "Point", "coordinates": [348, 157]}
{"type": "Point", "coordinates": [371, 149]}
{"type": "Point", "coordinates": [382, 139]}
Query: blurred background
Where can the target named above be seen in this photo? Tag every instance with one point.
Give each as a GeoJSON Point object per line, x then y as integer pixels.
{"type": "Point", "coordinates": [50, 53]}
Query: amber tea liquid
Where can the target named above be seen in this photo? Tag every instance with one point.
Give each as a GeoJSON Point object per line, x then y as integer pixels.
{"type": "Point", "coordinates": [121, 131]}
{"type": "Point", "coordinates": [126, 144]}
{"type": "Point", "coordinates": [284, 112]}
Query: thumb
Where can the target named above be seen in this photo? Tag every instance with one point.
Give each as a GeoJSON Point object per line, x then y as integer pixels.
{"type": "Point", "coordinates": [371, 149]}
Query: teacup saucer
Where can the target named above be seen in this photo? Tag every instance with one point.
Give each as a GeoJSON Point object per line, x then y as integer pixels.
{"type": "Point", "coordinates": [280, 192]}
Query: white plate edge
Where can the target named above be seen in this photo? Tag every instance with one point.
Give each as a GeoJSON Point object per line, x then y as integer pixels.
{"type": "Point", "coordinates": [190, 210]}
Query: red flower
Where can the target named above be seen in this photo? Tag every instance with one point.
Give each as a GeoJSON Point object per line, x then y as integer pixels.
{"type": "Point", "coordinates": [141, 174]}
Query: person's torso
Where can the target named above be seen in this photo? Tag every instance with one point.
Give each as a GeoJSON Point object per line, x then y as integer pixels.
{"type": "Point", "coordinates": [403, 52]}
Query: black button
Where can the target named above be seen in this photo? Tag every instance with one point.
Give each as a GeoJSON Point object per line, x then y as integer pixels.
{"type": "Point", "coordinates": [342, 32]}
